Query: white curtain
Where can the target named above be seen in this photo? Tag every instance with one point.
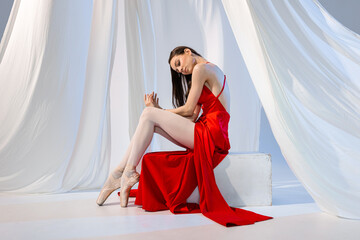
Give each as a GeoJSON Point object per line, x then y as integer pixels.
{"type": "Point", "coordinates": [154, 28]}
{"type": "Point", "coordinates": [306, 67]}
{"type": "Point", "coordinates": [56, 61]}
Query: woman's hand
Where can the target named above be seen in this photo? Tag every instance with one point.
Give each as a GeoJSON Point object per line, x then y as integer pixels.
{"type": "Point", "coordinates": [193, 118]}
{"type": "Point", "coordinates": [151, 100]}
{"type": "Point", "coordinates": [195, 115]}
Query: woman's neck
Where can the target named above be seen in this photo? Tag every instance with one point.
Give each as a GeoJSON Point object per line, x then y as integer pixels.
{"type": "Point", "coordinates": [199, 59]}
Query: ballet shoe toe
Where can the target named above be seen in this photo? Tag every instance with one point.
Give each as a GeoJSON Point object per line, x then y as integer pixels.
{"type": "Point", "coordinates": [129, 179]}
{"type": "Point", "coordinates": [110, 186]}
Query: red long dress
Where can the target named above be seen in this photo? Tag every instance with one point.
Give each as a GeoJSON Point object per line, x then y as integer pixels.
{"type": "Point", "coordinates": [168, 178]}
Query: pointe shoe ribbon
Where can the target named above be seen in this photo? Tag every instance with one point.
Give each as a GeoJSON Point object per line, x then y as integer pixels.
{"type": "Point", "coordinates": [128, 180]}
{"type": "Point", "coordinates": [110, 185]}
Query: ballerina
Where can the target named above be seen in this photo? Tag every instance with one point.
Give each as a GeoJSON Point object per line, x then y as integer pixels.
{"type": "Point", "coordinates": [168, 178]}
{"type": "Point", "coordinates": [190, 72]}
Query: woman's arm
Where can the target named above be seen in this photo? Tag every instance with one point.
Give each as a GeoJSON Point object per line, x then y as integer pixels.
{"type": "Point", "coordinates": [199, 76]}
{"type": "Point", "coordinates": [195, 114]}
{"type": "Point", "coordinates": [151, 100]}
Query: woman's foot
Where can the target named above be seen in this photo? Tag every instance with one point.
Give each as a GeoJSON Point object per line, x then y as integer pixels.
{"type": "Point", "coordinates": [112, 183]}
{"type": "Point", "coordinates": [128, 180]}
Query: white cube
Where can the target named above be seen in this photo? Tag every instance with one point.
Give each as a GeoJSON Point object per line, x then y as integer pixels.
{"type": "Point", "coordinates": [244, 179]}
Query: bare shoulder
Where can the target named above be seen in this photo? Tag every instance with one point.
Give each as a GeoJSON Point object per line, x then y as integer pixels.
{"type": "Point", "coordinates": [207, 70]}
{"type": "Point", "coordinates": [201, 69]}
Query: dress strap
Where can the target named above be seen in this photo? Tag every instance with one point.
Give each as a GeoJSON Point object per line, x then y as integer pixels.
{"type": "Point", "coordinates": [222, 87]}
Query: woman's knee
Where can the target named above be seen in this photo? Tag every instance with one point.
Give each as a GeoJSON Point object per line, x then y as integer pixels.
{"type": "Point", "coordinates": [148, 114]}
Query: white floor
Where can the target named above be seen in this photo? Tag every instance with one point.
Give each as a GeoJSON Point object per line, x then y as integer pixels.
{"type": "Point", "coordinates": [76, 216]}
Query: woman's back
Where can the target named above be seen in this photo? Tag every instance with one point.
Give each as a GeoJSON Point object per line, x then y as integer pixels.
{"type": "Point", "coordinates": [216, 83]}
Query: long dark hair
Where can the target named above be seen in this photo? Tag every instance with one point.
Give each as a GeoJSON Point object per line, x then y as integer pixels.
{"type": "Point", "coordinates": [181, 84]}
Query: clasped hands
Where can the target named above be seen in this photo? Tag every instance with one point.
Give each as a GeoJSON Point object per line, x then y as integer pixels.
{"type": "Point", "coordinates": [151, 100]}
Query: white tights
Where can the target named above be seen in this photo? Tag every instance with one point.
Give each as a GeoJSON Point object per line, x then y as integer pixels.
{"type": "Point", "coordinates": [174, 127]}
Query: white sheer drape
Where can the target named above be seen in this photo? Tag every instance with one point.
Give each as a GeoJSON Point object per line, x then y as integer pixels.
{"type": "Point", "coordinates": [56, 58]}
{"type": "Point", "coordinates": [306, 68]}
{"type": "Point", "coordinates": [154, 28]}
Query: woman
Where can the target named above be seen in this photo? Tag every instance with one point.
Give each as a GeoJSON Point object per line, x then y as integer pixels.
{"type": "Point", "coordinates": [196, 83]}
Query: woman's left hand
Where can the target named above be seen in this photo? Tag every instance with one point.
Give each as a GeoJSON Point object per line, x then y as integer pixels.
{"type": "Point", "coordinates": [151, 100]}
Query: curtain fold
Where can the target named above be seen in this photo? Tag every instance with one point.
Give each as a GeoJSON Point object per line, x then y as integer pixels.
{"type": "Point", "coordinates": [305, 68]}
{"type": "Point", "coordinates": [54, 86]}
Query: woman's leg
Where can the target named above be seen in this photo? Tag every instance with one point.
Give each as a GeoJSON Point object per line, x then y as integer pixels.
{"type": "Point", "coordinates": [117, 172]}
{"type": "Point", "coordinates": [161, 132]}
{"type": "Point", "coordinates": [177, 128]}
{"type": "Point", "coordinates": [174, 127]}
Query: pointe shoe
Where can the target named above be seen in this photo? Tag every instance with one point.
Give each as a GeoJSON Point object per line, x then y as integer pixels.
{"type": "Point", "coordinates": [110, 185]}
{"type": "Point", "coordinates": [128, 180]}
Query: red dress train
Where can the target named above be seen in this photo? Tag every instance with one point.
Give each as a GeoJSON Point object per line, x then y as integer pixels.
{"type": "Point", "coordinates": [168, 178]}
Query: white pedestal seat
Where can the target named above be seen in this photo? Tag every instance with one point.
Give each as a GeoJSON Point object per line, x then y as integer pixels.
{"type": "Point", "coordinates": [243, 180]}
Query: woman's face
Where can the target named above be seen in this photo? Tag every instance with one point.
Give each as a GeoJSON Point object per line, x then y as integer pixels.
{"type": "Point", "coordinates": [183, 63]}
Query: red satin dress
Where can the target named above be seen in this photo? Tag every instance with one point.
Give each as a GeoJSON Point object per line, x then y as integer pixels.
{"type": "Point", "coordinates": [167, 179]}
